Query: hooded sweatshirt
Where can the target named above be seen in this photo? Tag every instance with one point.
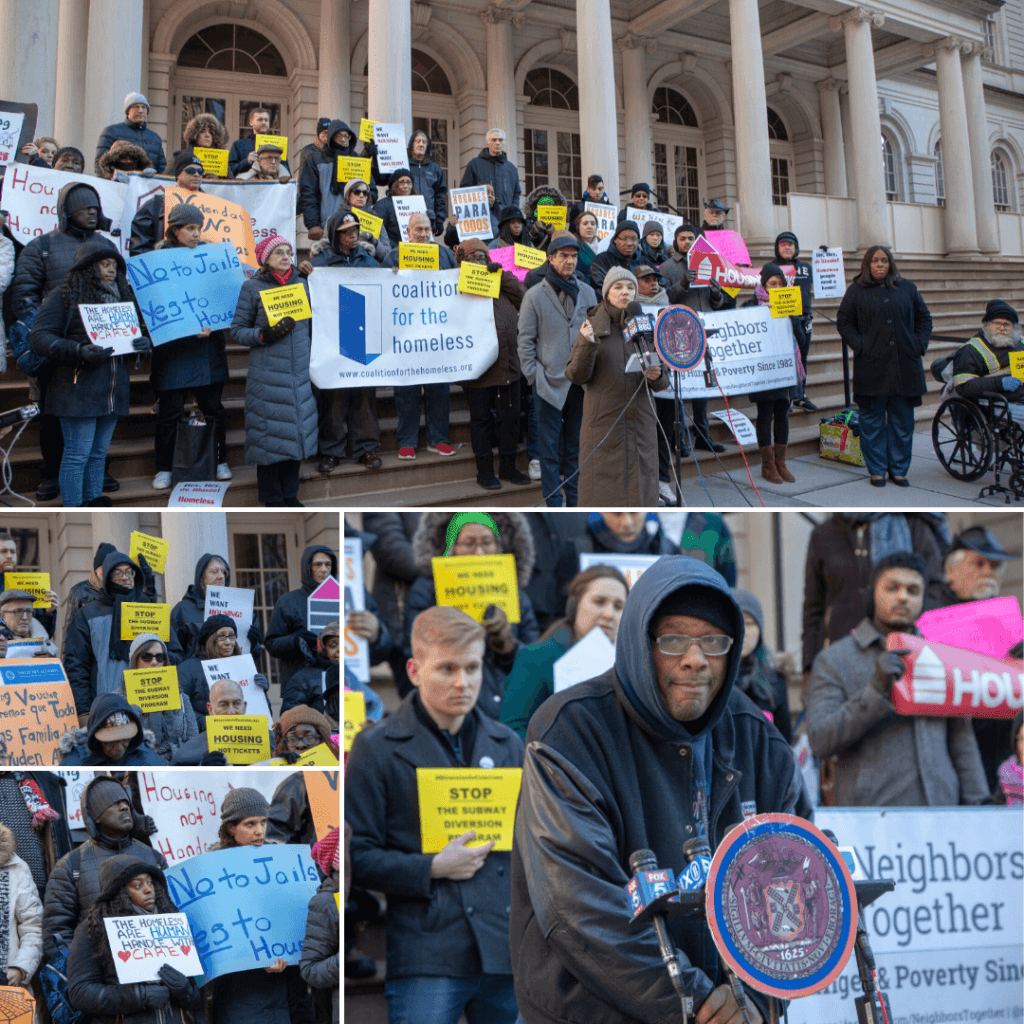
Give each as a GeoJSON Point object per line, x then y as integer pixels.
{"type": "Point", "coordinates": [81, 747]}
{"type": "Point", "coordinates": [320, 192]}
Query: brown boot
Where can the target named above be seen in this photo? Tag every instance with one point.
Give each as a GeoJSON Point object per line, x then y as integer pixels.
{"type": "Point", "coordinates": [780, 464]}
{"type": "Point", "coordinates": [768, 470]}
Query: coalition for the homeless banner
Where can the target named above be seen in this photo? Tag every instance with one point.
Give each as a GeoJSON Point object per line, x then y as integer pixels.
{"type": "Point", "coordinates": [378, 327]}
{"type": "Point", "coordinates": [947, 941]}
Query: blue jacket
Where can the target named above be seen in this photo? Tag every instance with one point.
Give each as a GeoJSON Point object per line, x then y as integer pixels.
{"type": "Point", "coordinates": [328, 256]}
{"type": "Point", "coordinates": [84, 749]}
{"type": "Point", "coordinates": [138, 135]}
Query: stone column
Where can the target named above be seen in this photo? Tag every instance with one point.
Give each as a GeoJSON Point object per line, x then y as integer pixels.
{"type": "Point", "coordinates": [981, 159]}
{"type": "Point", "coordinates": [335, 99]}
{"type": "Point", "coordinates": [595, 62]}
{"type": "Point", "coordinates": [28, 56]}
{"type": "Point", "coordinates": [69, 102]}
{"type": "Point", "coordinates": [848, 162]}
{"type": "Point", "coordinates": [389, 86]}
{"type": "Point", "coordinates": [753, 158]}
{"type": "Point", "coordinates": [501, 75]}
{"type": "Point", "coordinates": [865, 126]}
{"type": "Point", "coordinates": [190, 534]}
{"type": "Point", "coordinates": [638, 109]}
{"type": "Point", "coordinates": [832, 134]}
{"type": "Point", "coordinates": [961, 233]}
{"type": "Point", "coordinates": [158, 92]}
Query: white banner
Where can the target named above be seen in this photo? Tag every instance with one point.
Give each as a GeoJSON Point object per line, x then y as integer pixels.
{"type": "Point", "coordinates": [607, 218]}
{"type": "Point", "coordinates": [947, 941]}
{"type": "Point", "coordinates": [405, 207]}
{"type": "Point", "coordinates": [375, 327]}
{"type": "Point", "coordinates": [357, 649]}
{"type": "Point", "coordinates": [240, 669]}
{"type": "Point", "coordinates": [77, 780]}
{"type": "Point", "coordinates": [668, 221]}
{"type": "Point", "coordinates": [235, 602]}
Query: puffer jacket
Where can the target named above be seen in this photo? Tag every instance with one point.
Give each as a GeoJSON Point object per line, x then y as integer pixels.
{"type": "Point", "coordinates": [74, 882]}
{"type": "Point", "coordinates": [319, 963]}
{"type": "Point", "coordinates": [497, 171]}
{"type": "Point", "coordinates": [428, 181]}
{"type": "Point", "coordinates": [280, 411]}
{"type": "Point", "coordinates": [22, 928]}
{"type": "Point", "coordinates": [6, 276]}
{"type": "Point", "coordinates": [505, 368]}
{"type": "Point", "coordinates": [517, 540]}
{"type": "Point", "coordinates": [80, 746]}
{"type": "Point", "coordinates": [290, 819]}
{"type": "Point", "coordinates": [139, 135]}
{"type": "Point", "coordinates": [608, 771]}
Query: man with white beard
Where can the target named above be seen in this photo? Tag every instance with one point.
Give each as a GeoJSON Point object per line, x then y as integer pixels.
{"type": "Point", "coordinates": [983, 363]}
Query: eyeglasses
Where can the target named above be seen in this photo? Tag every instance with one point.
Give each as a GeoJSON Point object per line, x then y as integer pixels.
{"type": "Point", "coordinates": [484, 544]}
{"type": "Point", "coordinates": [18, 613]}
{"type": "Point", "coordinates": [478, 257]}
{"type": "Point", "coordinates": [123, 574]}
{"type": "Point", "coordinates": [308, 737]}
{"type": "Point", "coordinates": [677, 644]}
{"type": "Point", "coordinates": [193, 170]}
{"type": "Point", "coordinates": [159, 659]}
{"type": "Point", "coordinates": [359, 192]}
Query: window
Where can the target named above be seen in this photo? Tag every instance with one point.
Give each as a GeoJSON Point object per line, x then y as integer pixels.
{"type": "Point", "coordinates": [570, 179]}
{"type": "Point", "coordinates": [776, 129]}
{"type": "Point", "coordinates": [672, 108]}
{"type": "Point", "coordinates": [676, 181]}
{"type": "Point", "coordinates": [535, 157]}
{"type": "Point", "coordinates": [232, 48]}
{"type": "Point", "coordinates": [1000, 185]}
{"type": "Point", "coordinates": [428, 76]}
{"type": "Point", "coordinates": [546, 87]}
{"type": "Point", "coordinates": [889, 173]}
{"type": "Point", "coordinates": [940, 182]}
{"type": "Point", "coordinates": [27, 543]}
{"type": "Point", "coordinates": [780, 181]}
{"type": "Point", "coordinates": [989, 25]}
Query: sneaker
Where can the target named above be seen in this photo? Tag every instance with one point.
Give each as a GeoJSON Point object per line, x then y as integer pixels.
{"type": "Point", "coordinates": [223, 471]}
{"type": "Point", "coordinates": [407, 453]}
{"type": "Point", "coordinates": [443, 448]}
{"type": "Point", "coordinates": [162, 481]}
{"type": "Point", "coordinates": [667, 492]}
{"type": "Point", "coordinates": [806, 404]}
{"type": "Point", "coordinates": [534, 469]}
{"type": "Point", "coordinates": [47, 490]}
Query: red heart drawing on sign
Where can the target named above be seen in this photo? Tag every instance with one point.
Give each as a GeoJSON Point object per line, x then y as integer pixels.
{"type": "Point", "coordinates": [185, 949]}
{"type": "Point", "coordinates": [92, 334]}
{"type": "Point", "coordinates": [135, 331]}
{"type": "Point", "coordinates": [124, 955]}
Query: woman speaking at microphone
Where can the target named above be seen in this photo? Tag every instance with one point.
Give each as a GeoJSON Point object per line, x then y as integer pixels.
{"type": "Point", "coordinates": [624, 469]}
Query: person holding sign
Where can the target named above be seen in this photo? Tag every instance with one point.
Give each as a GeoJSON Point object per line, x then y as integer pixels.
{"type": "Point", "coordinates": [511, 224]}
{"type": "Point", "coordinates": [17, 622]}
{"type": "Point", "coordinates": [540, 230]}
{"type": "Point", "coordinates": [320, 191]}
{"type": "Point", "coordinates": [593, 193]}
{"type": "Point", "coordinates": [149, 224]}
{"type": "Point", "coordinates": [299, 729]}
{"type": "Point", "coordinates": [113, 738]}
{"type": "Point", "coordinates": [243, 151]}
{"type": "Point", "coordinates": [206, 132]}
{"type": "Point", "coordinates": [399, 184]}
{"type": "Point", "coordinates": [787, 246]}
{"type": "Point", "coordinates": [129, 887]}
{"type": "Point", "coordinates": [47, 615]}
{"type": "Point", "coordinates": [640, 196]}
{"type": "Point", "coordinates": [358, 196]}
{"type": "Point", "coordinates": [983, 364]}
{"type": "Point", "coordinates": [438, 725]}
{"type": "Point", "coordinates": [317, 686]}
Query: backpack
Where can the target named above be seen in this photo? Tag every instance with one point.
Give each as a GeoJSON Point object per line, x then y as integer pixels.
{"type": "Point", "coordinates": [53, 976]}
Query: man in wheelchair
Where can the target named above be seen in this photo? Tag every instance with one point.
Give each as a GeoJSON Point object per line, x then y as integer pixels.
{"type": "Point", "coordinates": [983, 363]}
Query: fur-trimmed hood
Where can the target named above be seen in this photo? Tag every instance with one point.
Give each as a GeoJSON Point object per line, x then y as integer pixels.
{"type": "Point", "coordinates": [8, 846]}
{"type": "Point", "coordinates": [79, 736]}
{"type": "Point", "coordinates": [516, 539]}
{"type": "Point", "coordinates": [122, 150]}
{"type": "Point", "coordinates": [530, 202]}
{"type": "Point", "coordinates": [201, 121]}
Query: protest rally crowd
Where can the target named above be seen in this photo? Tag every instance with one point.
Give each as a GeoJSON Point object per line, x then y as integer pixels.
{"type": "Point", "coordinates": [646, 708]}
{"type": "Point", "coordinates": [565, 381]}
{"type": "Point", "coordinates": [70, 864]}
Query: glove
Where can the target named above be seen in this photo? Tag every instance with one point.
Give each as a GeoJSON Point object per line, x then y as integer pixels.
{"type": "Point", "coordinates": [179, 986]}
{"type": "Point", "coordinates": [214, 757]}
{"type": "Point", "coordinates": [492, 267]}
{"type": "Point", "coordinates": [156, 995]}
{"type": "Point", "coordinates": [888, 668]}
{"type": "Point", "coordinates": [254, 635]}
{"type": "Point", "coordinates": [94, 354]}
{"type": "Point", "coordinates": [278, 331]}
{"type": "Point", "coordinates": [261, 681]}
{"type": "Point", "coordinates": [1012, 384]}
{"type": "Point", "coordinates": [306, 653]}
{"type": "Point", "coordinates": [310, 638]}
{"type": "Point", "coordinates": [142, 345]}
{"type": "Point", "coordinates": [148, 826]}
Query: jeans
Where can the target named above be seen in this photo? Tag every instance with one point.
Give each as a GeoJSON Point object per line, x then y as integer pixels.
{"type": "Point", "coordinates": [436, 405]}
{"type": "Point", "coordinates": [86, 440]}
{"type": "Point", "coordinates": [774, 409]}
{"type": "Point", "coordinates": [558, 446]}
{"type": "Point", "coordinates": [172, 404]}
{"type": "Point", "coordinates": [493, 407]}
{"type": "Point", "coordinates": [485, 998]}
{"type": "Point", "coordinates": [278, 481]}
{"type": "Point", "coordinates": [887, 434]}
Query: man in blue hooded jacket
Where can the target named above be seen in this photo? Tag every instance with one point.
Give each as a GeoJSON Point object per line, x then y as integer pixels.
{"type": "Point", "coordinates": [660, 749]}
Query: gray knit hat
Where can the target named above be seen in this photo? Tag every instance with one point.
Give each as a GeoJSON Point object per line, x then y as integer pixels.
{"type": "Point", "coordinates": [184, 213]}
{"type": "Point", "coordinates": [135, 97]}
{"type": "Point", "coordinates": [144, 640]}
{"type": "Point", "coordinates": [613, 275]}
{"type": "Point", "coordinates": [103, 792]}
{"type": "Point", "coordinates": [244, 803]}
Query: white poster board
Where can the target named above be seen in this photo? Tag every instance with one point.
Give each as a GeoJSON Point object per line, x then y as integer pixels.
{"type": "Point", "coordinates": [590, 657]}
{"type": "Point", "coordinates": [111, 325]}
{"type": "Point", "coordinates": [141, 944]}
{"type": "Point", "coordinates": [240, 669]}
{"type": "Point", "coordinates": [10, 133]}
{"type": "Point", "coordinates": [391, 148]}
{"type": "Point", "coordinates": [204, 494]}
{"type": "Point", "coordinates": [631, 566]}
{"type": "Point", "coordinates": [405, 207]}
{"type": "Point", "coordinates": [828, 273]}
{"type": "Point", "coordinates": [235, 602]}
{"type": "Point", "coordinates": [77, 779]}
{"type": "Point", "coordinates": [357, 649]}
{"type": "Point", "coordinates": [607, 218]}
{"type": "Point", "coordinates": [470, 206]}
{"type": "Point", "coordinates": [739, 424]}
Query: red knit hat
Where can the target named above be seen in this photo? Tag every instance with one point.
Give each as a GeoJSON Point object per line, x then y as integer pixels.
{"type": "Point", "coordinates": [268, 245]}
{"type": "Point", "coordinates": [325, 852]}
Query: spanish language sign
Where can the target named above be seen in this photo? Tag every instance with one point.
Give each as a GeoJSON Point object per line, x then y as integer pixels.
{"type": "Point", "coordinates": [454, 801]}
{"type": "Point", "coordinates": [153, 689]}
{"type": "Point", "coordinates": [991, 626]}
{"type": "Point", "coordinates": [225, 221]}
{"type": "Point", "coordinates": [36, 708]}
{"type": "Point", "coordinates": [355, 715]}
{"type": "Point", "coordinates": [111, 325]}
{"type": "Point", "coordinates": [281, 141]}
{"type": "Point", "coordinates": [412, 327]}
{"type": "Point", "coordinates": [181, 291]}
{"type": "Point", "coordinates": [143, 617]}
{"type": "Point", "coordinates": [415, 256]}
{"type": "Point", "coordinates": [34, 583]}
{"type": "Point", "coordinates": [606, 220]}
{"type": "Point", "coordinates": [246, 906]}
{"type": "Point", "coordinates": [357, 649]}
{"type": "Point", "coordinates": [473, 212]}
{"type": "Point", "coordinates": [828, 274]}
{"type": "Point", "coordinates": [214, 161]}
{"type": "Point", "coordinates": [472, 582]}
{"type": "Point", "coordinates": [154, 548]}
{"type": "Point", "coordinates": [785, 302]}
{"type": "Point", "coordinates": [141, 944]}
{"type": "Point", "coordinates": [289, 300]}
{"type": "Point", "coordinates": [405, 207]}
{"type": "Point", "coordinates": [235, 602]}
{"type": "Point", "coordinates": [242, 738]}
{"type": "Point", "coordinates": [390, 142]}
{"type": "Point", "coordinates": [240, 669]}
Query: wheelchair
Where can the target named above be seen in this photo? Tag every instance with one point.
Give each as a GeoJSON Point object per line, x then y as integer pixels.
{"type": "Point", "coordinates": [970, 437]}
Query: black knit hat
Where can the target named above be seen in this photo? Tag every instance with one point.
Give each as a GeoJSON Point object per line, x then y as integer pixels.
{"type": "Point", "coordinates": [510, 213]}
{"type": "Point", "coordinates": [68, 149]}
{"type": "Point", "coordinates": [402, 172]}
{"type": "Point", "coordinates": [626, 225]}
{"type": "Point", "coordinates": [999, 309]}
{"type": "Point", "coordinates": [699, 602]}
{"type": "Point", "coordinates": [212, 624]}
{"type": "Point", "coordinates": [184, 213]}
{"type": "Point", "coordinates": [771, 270]}
{"type": "Point", "coordinates": [244, 803]}
{"type": "Point", "coordinates": [184, 158]}
{"type": "Point", "coordinates": [81, 197]}
{"type": "Point", "coordinates": [322, 124]}
{"type": "Point", "coordinates": [116, 872]}
{"type": "Point", "coordinates": [101, 553]}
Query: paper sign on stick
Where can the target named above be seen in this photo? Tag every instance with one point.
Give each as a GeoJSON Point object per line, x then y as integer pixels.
{"type": "Point", "coordinates": [785, 302]}
{"type": "Point", "coordinates": [415, 256]}
{"type": "Point", "coordinates": [235, 602]}
{"type": "Point", "coordinates": [476, 280]}
{"type": "Point", "coordinates": [225, 222]}
{"type": "Point", "coordinates": [390, 142]}
{"type": "Point", "coordinates": [350, 167]}
{"type": "Point", "coordinates": [590, 657]}
{"type": "Point", "coordinates": [240, 669]}
{"type": "Point", "coordinates": [1017, 365]}
{"type": "Point", "coordinates": [143, 617]}
{"type": "Point", "coordinates": [991, 626]}
{"type": "Point", "coordinates": [141, 944]}
{"type": "Point", "coordinates": [273, 140]}
{"type": "Point", "coordinates": [154, 548]}
{"type": "Point", "coordinates": [111, 325]}
{"type": "Point", "coordinates": [368, 222]}
{"type": "Point", "coordinates": [506, 256]}
{"type": "Point", "coordinates": [36, 708]}
{"type": "Point", "coordinates": [321, 754]}
{"type": "Point", "coordinates": [405, 207]}
{"type": "Point", "coordinates": [553, 215]}
{"type": "Point", "coordinates": [34, 583]}
{"type": "Point", "coordinates": [739, 424]}
{"type": "Point", "coordinates": [355, 715]}
{"type": "Point", "coordinates": [214, 161]}
{"type": "Point", "coordinates": [472, 582]}
{"type": "Point", "coordinates": [289, 300]}
{"type": "Point", "coordinates": [525, 256]}
{"type": "Point", "coordinates": [473, 212]}
{"type": "Point", "coordinates": [828, 274]}
{"type": "Point", "coordinates": [153, 689]}
{"type": "Point", "coordinates": [731, 246]}
{"type": "Point", "coordinates": [454, 801]}
{"type": "Point", "coordinates": [242, 738]}
{"type": "Point", "coordinates": [324, 800]}
{"type": "Point", "coordinates": [208, 494]}
{"type": "Point", "coordinates": [366, 130]}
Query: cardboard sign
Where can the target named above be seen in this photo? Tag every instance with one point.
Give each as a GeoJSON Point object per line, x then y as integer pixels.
{"type": "Point", "coordinates": [324, 800]}
{"type": "Point", "coordinates": [143, 943]}
{"type": "Point", "coordinates": [553, 215]}
{"type": "Point", "coordinates": [415, 256]}
{"type": "Point", "coordinates": [10, 135]}
{"type": "Point", "coordinates": [1017, 365]}
{"type": "Point", "coordinates": [785, 302]}
{"type": "Point", "coordinates": [324, 605]}
{"type": "Point", "coordinates": [472, 582]}
{"type": "Point", "coordinates": [18, 1006]}
{"type": "Point", "coordinates": [989, 627]}
{"type": "Point", "coordinates": [273, 140]}
{"type": "Point", "coordinates": [246, 906]}
{"type": "Point", "coordinates": [235, 602]}
{"type": "Point", "coordinates": [153, 689]}
{"type": "Point", "coordinates": [951, 682]}
{"type": "Point", "coordinates": [526, 256]}
{"type": "Point", "coordinates": [111, 325]}
{"type": "Point", "coordinates": [471, 207]}
{"type": "Point", "coordinates": [828, 274]}
{"type": "Point", "coordinates": [475, 279]}
{"type": "Point", "coordinates": [144, 617]}
{"type": "Point", "coordinates": [405, 207]}
{"type": "Point", "coordinates": [631, 566]}
{"type": "Point", "coordinates": [350, 167]}
{"type": "Point", "coordinates": [357, 649]}
{"type": "Point", "coordinates": [366, 130]}
{"type": "Point", "coordinates": [391, 150]}
{"type": "Point", "coordinates": [207, 494]}
{"type": "Point", "coordinates": [355, 715]}
{"type": "Point", "coordinates": [214, 161]}
{"type": "Point", "coordinates": [505, 255]}
{"type": "Point", "coordinates": [289, 300]}
{"type": "Point", "coordinates": [321, 754]}
{"type": "Point", "coordinates": [225, 222]}
{"type": "Point", "coordinates": [368, 222]}
{"type": "Point", "coordinates": [739, 424]}
{"type": "Point", "coordinates": [240, 669]}
{"type": "Point", "coordinates": [154, 548]}
{"type": "Point", "coordinates": [34, 583]}
{"type": "Point", "coordinates": [607, 220]}
{"type": "Point", "coordinates": [243, 739]}
{"type": "Point", "coordinates": [36, 708]}
{"type": "Point", "coordinates": [454, 801]}
{"type": "Point", "coordinates": [589, 657]}
{"type": "Point", "coordinates": [708, 264]}
{"type": "Point", "coordinates": [181, 291]}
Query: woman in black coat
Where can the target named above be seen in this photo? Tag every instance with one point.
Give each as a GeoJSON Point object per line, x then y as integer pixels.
{"type": "Point", "coordinates": [887, 325]}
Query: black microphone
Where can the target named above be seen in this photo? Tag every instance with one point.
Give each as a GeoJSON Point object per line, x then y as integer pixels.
{"type": "Point", "coordinates": [644, 860]}
{"type": "Point", "coordinates": [639, 328]}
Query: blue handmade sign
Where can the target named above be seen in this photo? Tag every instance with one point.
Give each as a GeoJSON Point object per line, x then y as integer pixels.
{"type": "Point", "coordinates": [181, 291]}
{"type": "Point", "coordinates": [246, 906]}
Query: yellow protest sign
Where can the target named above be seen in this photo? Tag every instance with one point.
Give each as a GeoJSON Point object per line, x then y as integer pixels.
{"type": "Point", "coordinates": [350, 167]}
{"type": "Point", "coordinates": [475, 280]}
{"type": "Point", "coordinates": [355, 715]}
{"type": "Point", "coordinates": [291, 300]}
{"type": "Point", "coordinates": [367, 222]}
{"type": "Point", "coordinates": [366, 130]}
{"type": "Point", "coordinates": [153, 689]}
{"type": "Point", "coordinates": [785, 302]}
{"type": "Point", "coordinates": [337, 901]}
{"type": "Point", "coordinates": [731, 292]}
{"type": "Point", "coordinates": [214, 161]}
{"type": "Point", "coordinates": [154, 548]}
{"type": "Point", "coordinates": [1016, 370]}
{"type": "Point", "coordinates": [472, 582]}
{"type": "Point", "coordinates": [224, 221]}
{"type": "Point", "coordinates": [526, 256]}
{"type": "Point", "coordinates": [274, 140]}
{"type": "Point", "coordinates": [244, 739]}
{"type": "Point", "coordinates": [553, 215]}
{"type": "Point", "coordinates": [454, 801]}
{"type": "Point", "coordinates": [142, 617]}
{"type": "Point", "coordinates": [34, 583]}
{"type": "Point", "coordinates": [416, 256]}
{"type": "Point", "coordinates": [321, 754]}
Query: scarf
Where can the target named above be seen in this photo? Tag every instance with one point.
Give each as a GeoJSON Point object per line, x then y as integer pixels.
{"type": "Point", "coordinates": [36, 803]}
{"type": "Point", "coordinates": [5, 917]}
{"type": "Point", "coordinates": [560, 284]}
{"type": "Point", "coordinates": [282, 278]}
{"type": "Point", "coordinates": [325, 852]}
{"type": "Point", "coordinates": [111, 292]}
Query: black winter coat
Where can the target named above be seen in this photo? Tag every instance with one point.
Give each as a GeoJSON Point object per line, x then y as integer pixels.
{"type": "Point", "coordinates": [290, 819]}
{"type": "Point", "coordinates": [434, 926]}
{"type": "Point", "coordinates": [428, 181]}
{"type": "Point", "coordinates": [551, 530]}
{"type": "Point", "coordinates": [497, 171]}
{"type": "Point", "coordinates": [604, 261]}
{"type": "Point", "coordinates": [137, 135]}
{"type": "Point", "coordinates": [147, 226]}
{"type": "Point", "coordinates": [319, 963]}
{"type": "Point", "coordinates": [888, 330]}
